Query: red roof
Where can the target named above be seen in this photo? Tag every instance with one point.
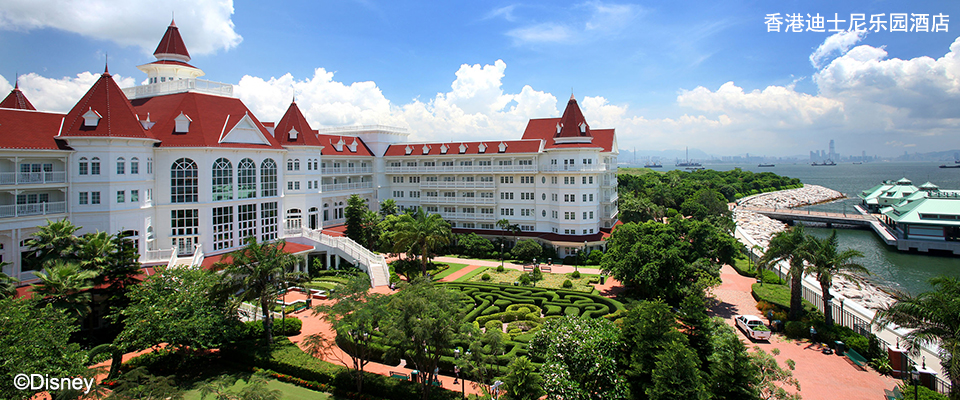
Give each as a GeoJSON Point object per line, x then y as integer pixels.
{"type": "Point", "coordinates": [172, 62]}
{"type": "Point", "coordinates": [172, 44]}
{"type": "Point", "coordinates": [291, 248]}
{"type": "Point", "coordinates": [330, 149]}
{"type": "Point", "coordinates": [546, 128]}
{"type": "Point", "coordinates": [17, 100]}
{"type": "Point", "coordinates": [293, 120]}
{"type": "Point", "coordinates": [572, 123]}
{"type": "Point", "coordinates": [25, 129]}
{"type": "Point", "coordinates": [211, 117]}
{"type": "Point", "coordinates": [117, 117]}
{"type": "Point", "coordinates": [492, 148]}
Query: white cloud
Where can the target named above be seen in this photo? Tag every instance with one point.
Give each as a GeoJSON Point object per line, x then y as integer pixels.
{"type": "Point", "coordinates": [57, 94]}
{"type": "Point", "coordinates": [837, 43]}
{"type": "Point", "coordinates": [541, 33]}
{"type": "Point", "coordinates": [506, 12]}
{"type": "Point", "coordinates": [205, 25]}
{"type": "Point", "coordinates": [610, 18]}
{"type": "Point", "coordinates": [599, 20]}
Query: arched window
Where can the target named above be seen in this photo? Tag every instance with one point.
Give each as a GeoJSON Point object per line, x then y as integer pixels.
{"type": "Point", "coordinates": [184, 181]}
{"type": "Point", "coordinates": [84, 166]}
{"type": "Point", "coordinates": [121, 166]}
{"type": "Point", "coordinates": [222, 180]}
{"type": "Point", "coordinates": [289, 164]}
{"type": "Point", "coordinates": [296, 164]}
{"type": "Point", "coordinates": [95, 166]}
{"type": "Point", "coordinates": [247, 179]}
{"type": "Point", "coordinates": [268, 177]}
{"type": "Point", "coordinates": [326, 212]}
{"type": "Point", "coordinates": [135, 165]}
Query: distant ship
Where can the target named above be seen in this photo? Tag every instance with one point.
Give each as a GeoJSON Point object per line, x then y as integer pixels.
{"type": "Point", "coordinates": [687, 162]}
{"type": "Point", "coordinates": [654, 165]}
{"type": "Point", "coordinates": [857, 163]}
{"type": "Point", "coordinates": [828, 163]}
{"type": "Point", "coordinates": [950, 166]}
{"type": "Point", "coordinates": [766, 165]}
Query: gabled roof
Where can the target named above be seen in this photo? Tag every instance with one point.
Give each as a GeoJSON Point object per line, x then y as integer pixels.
{"type": "Point", "coordinates": [118, 118]}
{"type": "Point", "coordinates": [17, 100]}
{"type": "Point", "coordinates": [294, 120]}
{"type": "Point", "coordinates": [492, 148]}
{"type": "Point", "coordinates": [572, 123]}
{"type": "Point", "coordinates": [27, 129]}
{"type": "Point", "coordinates": [330, 144]}
{"type": "Point", "coordinates": [171, 45]}
{"type": "Point", "coordinates": [212, 119]}
{"type": "Point", "coordinates": [545, 129]}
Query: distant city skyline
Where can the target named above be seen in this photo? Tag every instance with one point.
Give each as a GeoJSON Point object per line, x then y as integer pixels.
{"type": "Point", "coordinates": [666, 76]}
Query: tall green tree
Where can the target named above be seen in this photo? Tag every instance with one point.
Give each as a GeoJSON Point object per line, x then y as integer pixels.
{"type": "Point", "coordinates": [355, 314]}
{"type": "Point", "coordinates": [646, 331]}
{"type": "Point", "coordinates": [526, 250]}
{"type": "Point", "coordinates": [676, 375]}
{"type": "Point", "coordinates": [421, 234]}
{"type": "Point", "coordinates": [480, 362]}
{"type": "Point", "coordinates": [790, 246]}
{"type": "Point", "coordinates": [65, 286]}
{"type": "Point", "coordinates": [256, 271]}
{"type": "Point", "coordinates": [729, 370]}
{"type": "Point", "coordinates": [53, 241]}
{"type": "Point", "coordinates": [388, 207]}
{"type": "Point", "coordinates": [580, 358]}
{"type": "Point", "coordinates": [827, 262]}
{"type": "Point", "coordinates": [474, 245]}
{"type": "Point", "coordinates": [933, 319]}
{"type": "Point", "coordinates": [35, 339]}
{"type": "Point", "coordinates": [522, 381]}
{"type": "Point", "coordinates": [773, 380]}
{"type": "Point", "coordinates": [183, 307]}
{"type": "Point", "coordinates": [356, 208]}
{"type": "Point", "coordinates": [422, 324]}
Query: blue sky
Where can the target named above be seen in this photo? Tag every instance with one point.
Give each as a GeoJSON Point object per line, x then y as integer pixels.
{"type": "Point", "coordinates": [665, 74]}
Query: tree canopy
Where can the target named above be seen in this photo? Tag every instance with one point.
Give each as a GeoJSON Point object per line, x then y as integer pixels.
{"type": "Point", "coordinates": [580, 358]}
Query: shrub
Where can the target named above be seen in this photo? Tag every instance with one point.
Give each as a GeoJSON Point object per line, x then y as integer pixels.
{"type": "Point", "coordinates": [485, 277]}
{"type": "Point", "coordinates": [493, 325]}
{"type": "Point", "coordinates": [567, 284]}
{"type": "Point", "coordinates": [287, 326]}
{"type": "Point", "coordinates": [500, 268]}
{"type": "Point", "coordinates": [575, 275]}
{"type": "Point", "coordinates": [796, 330]}
{"type": "Point", "coordinates": [524, 279]}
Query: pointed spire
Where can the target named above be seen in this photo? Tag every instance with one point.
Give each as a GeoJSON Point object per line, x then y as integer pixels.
{"type": "Point", "coordinates": [171, 46]}
{"type": "Point", "coordinates": [16, 99]}
{"type": "Point", "coordinates": [16, 82]}
{"type": "Point", "coordinates": [106, 64]}
{"type": "Point", "coordinates": [572, 123]}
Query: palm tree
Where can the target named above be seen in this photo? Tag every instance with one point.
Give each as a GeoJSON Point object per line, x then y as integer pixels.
{"type": "Point", "coordinates": [932, 316]}
{"type": "Point", "coordinates": [255, 271]}
{"type": "Point", "coordinates": [8, 284]}
{"type": "Point", "coordinates": [95, 250]}
{"type": "Point", "coordinates": [827, 262]}
{"type": "Point", "coordinates": [788, 246]}
{"type": "Point", "coordinates": [423, 233]}
{"type": "Point", "coordinates": [55, 240]}
{"type": "Point", "coordinates": [66, 286]}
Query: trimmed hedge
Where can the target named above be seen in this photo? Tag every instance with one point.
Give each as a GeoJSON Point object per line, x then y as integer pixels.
{"type": "Point", "coordinates": [281, 327]}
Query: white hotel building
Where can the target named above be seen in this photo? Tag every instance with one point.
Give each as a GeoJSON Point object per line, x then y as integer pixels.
{"type": "Point", "coordinates": [189, 171]}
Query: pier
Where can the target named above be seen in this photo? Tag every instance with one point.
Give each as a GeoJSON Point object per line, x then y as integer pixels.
{"type": "Point", "coordinates": [828, 218]}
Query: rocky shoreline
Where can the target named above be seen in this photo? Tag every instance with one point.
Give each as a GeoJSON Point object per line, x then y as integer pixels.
{"type": "Point", "coordinates": [762, 228]}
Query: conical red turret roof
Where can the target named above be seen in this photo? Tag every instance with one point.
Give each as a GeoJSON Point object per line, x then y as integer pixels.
{"type": "Point", "coordinates": [293, 119]}
{"type": "Point", "coordinates": [117, 116]}
{"type": "Point", "coordinates": [17, 100]}
{"type": "Point", "coordinates": [171, 46]}
{"type": "Point", "coordinates": [572, 120]}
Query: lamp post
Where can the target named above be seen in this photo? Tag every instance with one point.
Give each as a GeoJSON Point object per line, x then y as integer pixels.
{"type": "Point", "coordinates": [501, 255]}
{"type": "Point", "coordinates": [584, 253]}
{"type": "Point", "coordinates": [576, 260]}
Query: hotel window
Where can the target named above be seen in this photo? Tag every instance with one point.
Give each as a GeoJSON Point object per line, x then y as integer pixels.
{"type": "Point", "coordinates": [247, 220]}
{"type": "Point", "coordinates": [484, 163]}
{"type": "Point", "coordinates": [222, 180]}
{"type": "Point", "coordinates": [466, 163]}
{"type": "Point", "coordinates": [506, 211]}
{"type": "Point", "coordinates": [486, 195]}
{"type": "Point", "coordinates": [83, 197]}
{"type": "Point", "coordinates": [431, 194]}
{"type": "Point", "coordinates": [591, 216]}
{"type": "Point", "coordinates": [135, 166]}
{"type": "Point", "coordinates": [414, 179]}
{"type": "Point", "coordinates": [95, 166]}
{"type": "Point", "coordinates": [149, 165]}
{"type": "Point", "coordinates": [246, 179]}
{"type": "Point", "coordinates": [554, 214]}
{"type": "Point", "coordinates": [486, 179]}
{"type": "Point", "coordinates": [591, 197]}
{"type": "Point", "coordinates": [467, 194]}
{"type": "Point", "coordinates": [584, 216]}
{"type": "Point", "coordinates": [392, 164]}
{"type": "Point", "coordinates": [588, 161]}
{"type": "Point", "coordinates": [584, 197]}
{"type": "Point", "coordinates": [431, 179]}
{"type": "Point", "coordinates": [450, 210]}
{"type": "Point", "coordinates": [415, 194]}
{"type": "Point", "coordinates": [553, 162]}
{"type": "Point", "coordinates": [134, 196]}
{"type": "Point", "coordinates": [506, 162]}
{"type": "Point", "coordinates": [121, 196]}
{"type": "Point", "coordinates": [429, 163]}
{"type": "Point", "coordinates": [553, 179]}
{"type": "Point", "coordinates": [486, 211]}
{"type": "Point", "coordinates": [468, 210]}
{"type": "Point", "coordinates": [591, 180]}
{"type": "Point", "coordinates": [397, 193]}
{"type": "Point", "coordinates": [398, 179]}
{"type": "Point", "coordinates": [506, 179]}
{"type": "Point", "coordinates": [446, 164]}
{"type": "Point", "coordinates": [184, 223]}
{"type": "Point", "coordinates": [121, 166]}
{"type": "Point", "coordinates": [183, 181]}
{"type": "Point", "coordinates": [268, 178]}
{"type": "Point", "coordinates": [486, 226]}
{"type": "Point", "coordinates": [84, 166]}
{"type": "Point", "coordinates": [268, 221]}
{"type": "Point", "coordinates": [222, 227]}
{"type": "Point", "coordinates": [553, 196]}
{"type": "Point", "coordinates": [525, 162]}
{"type": "Point", "coordinates": [467, 178]}
{"type": "Point", "coordinates": [526, 227]}
{"type": "Point", "coordinates": [432, 209]}
{"type": "Point", "coordinates": [506, 195]}
{"type": "Point", "coordinates": [94, 197]}
{"type": "Point", "coordinates": [449, 194]}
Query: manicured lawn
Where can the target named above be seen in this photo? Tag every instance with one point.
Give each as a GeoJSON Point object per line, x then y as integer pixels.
{"type": "Point", "coordinates": [451, 268]}
{"type": "Point", "coordinates": [550, 280]}
{"type": "Point", "coordinates": [290, 391]}
{"type": "Point", "coordinates": [471, 274]}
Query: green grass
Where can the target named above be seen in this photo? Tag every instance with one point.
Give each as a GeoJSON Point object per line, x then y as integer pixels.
{"type": "Point", "coordinates": [636, 171]}
{"type": "Point", "coordinates": [550, 280]}
{"type": "Point", "coordinates": [471, 274]}
{"type": "Point", "coordinates": [320, 285]}
{"type": "Point", "coordinates": [290, 391]}
{"type": "Point", "coordinates": [451, 268]}
{"type": "Point", "coordinates": [778, 295]}
{"type": "Point", "coordinates": [744, 267]}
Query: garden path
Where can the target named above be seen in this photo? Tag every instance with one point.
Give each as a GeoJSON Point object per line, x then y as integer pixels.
{"type": "Point", "coordinates": [821, 376]}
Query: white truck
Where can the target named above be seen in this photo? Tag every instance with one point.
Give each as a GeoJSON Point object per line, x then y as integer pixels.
{"type": "Point", "coordinates": [753, 327]}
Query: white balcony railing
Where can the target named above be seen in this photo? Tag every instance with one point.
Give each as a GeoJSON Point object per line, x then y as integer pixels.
{"type": "Point", "coordinates": [22, 210]}
{"type": "Point", "coordinates": [457, 185]}
{"type": "Point", "coordinates": [180, 86]}
{"type": "Point", "coordinates": [346, 171]}
{"type": "Point", "coordinates": [574, 168]}
{"type": "Point", "coordinates": [462, 168]}
{"type": "Point", "coordinates": [457, 200]}
{"type": "Point", "coordinates": [157, 256]}
{"type": "Point", "coordinates": [23, 178]}
{"type": "Point", "coordinates": [468, 216]}
{"type": "Point", "coordinates": [333, 187]}
{"type": "Point", "coordinates": [374, 264]}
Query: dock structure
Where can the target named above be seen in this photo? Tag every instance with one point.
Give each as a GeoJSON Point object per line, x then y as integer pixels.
{"type": "Point", "coordinates": [793, 214]}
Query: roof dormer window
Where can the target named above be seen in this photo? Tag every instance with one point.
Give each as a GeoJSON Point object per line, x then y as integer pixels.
{"type": "Point", "coordinates": [559, 127]}
{"type": "Point", "coordinates": [408, 150]}
{"type": "Point", "coordinates": [293, 134]}
{"type": "Point", "coordinates": [147, 124]}
{"type": "Point", "coordinates": [503, 147]}
{"type": "Point", "coordinates": [183, 123]}
{"type": "Point", "coordinates": [463, 148]}
{"type": "Point", "coordinates": [426, 149]}
{"type": "Point", "coordinates": [583, 127]}
{"type": "Point", "coordinates": [339, 145]}
{"type": "Point", "coordinates": [353, 146]}
{"type": "Point", "coordinates": [482, 147]}
{"type": "Point", "coordinates": [91, 118]}
{"type": "Point", "coordinates": [444, 148]}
